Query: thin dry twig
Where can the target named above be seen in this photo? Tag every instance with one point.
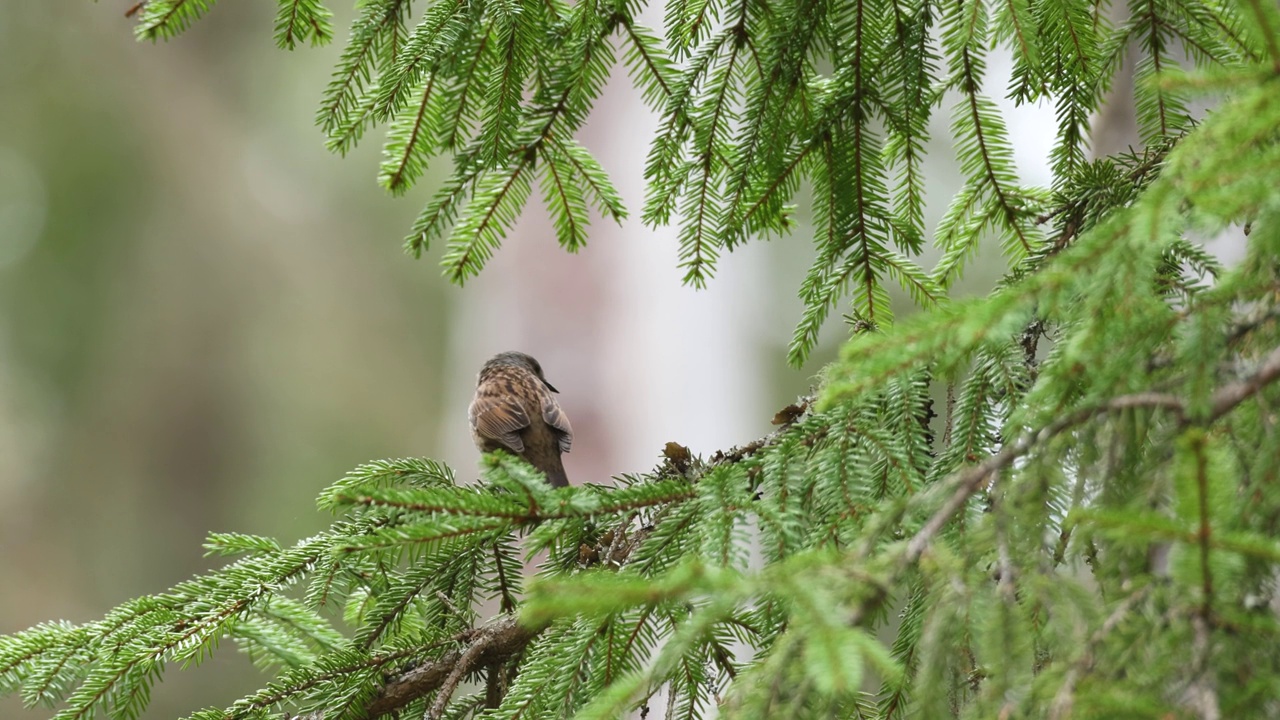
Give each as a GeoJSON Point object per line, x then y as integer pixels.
{"type": "Point", "coordinates": [968, 481]}
{"type": "Point", "coordinates": [498, 639]}
{"type": "Point", "coordinates": [1064, 700]}
{"type": "Point", "coordinates": [1201, 696]}
{"type": "Point", "coordinates": [1226, 398]}
{"type": "Point", "coordinates": [467, 660]}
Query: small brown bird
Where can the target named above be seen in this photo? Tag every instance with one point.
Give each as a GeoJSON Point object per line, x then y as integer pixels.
{"type": "Point", "coordinates": [514, 410]}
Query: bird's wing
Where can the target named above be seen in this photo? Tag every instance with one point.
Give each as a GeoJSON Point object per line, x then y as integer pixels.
{"type": "Point", "coordinates": [559, 422]}
{"type": "Point", "coordinates": [499, 418]}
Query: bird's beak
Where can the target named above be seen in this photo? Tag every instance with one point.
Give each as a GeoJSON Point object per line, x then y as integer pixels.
{"type": "Point", "coordinates": [550, 387]}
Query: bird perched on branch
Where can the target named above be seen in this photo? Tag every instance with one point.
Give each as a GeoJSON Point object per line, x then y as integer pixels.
{"type": "Point", "coordinates": [514, 410]}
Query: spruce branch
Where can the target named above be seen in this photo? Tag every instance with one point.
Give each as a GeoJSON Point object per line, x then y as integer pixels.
{"type": "Point", "coordinates": [167, 18]}
{"type": "Point", "coordinates": [493, 641]}
{"type": "Point", "coordinates": [967, 482]}
{"type": "Point", "coordinates": [498, 639]}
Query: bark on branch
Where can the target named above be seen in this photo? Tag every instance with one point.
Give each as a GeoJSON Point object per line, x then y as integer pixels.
{"type": "Point", "coordinates": [495, 641]}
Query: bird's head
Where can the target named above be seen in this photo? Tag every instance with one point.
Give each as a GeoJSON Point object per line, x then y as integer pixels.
{"type": "Point", "coordinates": [515, 359]}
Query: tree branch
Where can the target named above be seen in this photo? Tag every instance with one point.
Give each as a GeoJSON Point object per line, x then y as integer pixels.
{"type": "Point", "coordinates": [967, 482]}
{"type": "Point", "coordinates": [479, 645]}
{"type": "Point", "coordinates": [503, 637]}
{"type": "Point", "coordinates": [1226, 398]}
{"type": "Point", "coordinates": [498, 639]}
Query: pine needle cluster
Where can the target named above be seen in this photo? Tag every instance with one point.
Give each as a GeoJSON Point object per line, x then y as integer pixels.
{"type": "Point", "coordinates": [1057, 500]}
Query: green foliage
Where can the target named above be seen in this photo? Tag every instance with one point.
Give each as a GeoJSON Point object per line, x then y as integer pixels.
{"type": "Point", "coordinates": [166, 18]}
{"type": "Point", "coordinates": [757, 102]}
{"type": "Point", "coordinates": [299, 20]}
{"type": "Point", "coordinates": [1056, 500]}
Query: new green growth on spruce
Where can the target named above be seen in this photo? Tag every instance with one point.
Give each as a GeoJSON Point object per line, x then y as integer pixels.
{"type": "Point", "coordinates": [1058, 500]}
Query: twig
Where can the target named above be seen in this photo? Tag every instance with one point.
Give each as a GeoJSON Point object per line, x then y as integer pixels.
{"type": "Point", "coordinates": [450, 684]}
{"type": "Point", "coordinates": [1064, 700]}
{"type": "Point", "coordinates": [1064, 537]}
{"type": "Point", "coordinates": [951, 413]}
{"type": "Point", "coordinates": [1201, 695]}
{"type": "Point", "coordinates": [620, 535]}
{"type": "Point", "coordinates": [444, 599]}
{"type": "Point", "coordinates": [1244, 327]}
{"type": "Point", "coordinates": [1225, 399]}
{"type": "Point", "coordinates": [498, 639]}
{"type": "Point", "coordinates": [1204, 535]}
{"type": "Point", "coordinates": [968, 481]}
{"type": "Point", "coordinates": [738, 454]}
{"type": "Point", "coordinates": [508, 602]}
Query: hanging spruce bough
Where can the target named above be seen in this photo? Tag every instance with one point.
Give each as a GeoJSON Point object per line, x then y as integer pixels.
{"type": "Point", "coordinates": [1087, 528]}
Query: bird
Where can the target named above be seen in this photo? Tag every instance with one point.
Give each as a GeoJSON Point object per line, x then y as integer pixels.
{"type": "Point", "coordinates": [514, 410]}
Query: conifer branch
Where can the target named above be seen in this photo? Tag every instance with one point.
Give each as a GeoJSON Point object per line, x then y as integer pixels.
{"type": "Point", "coordinates": [467, 82]}
{"type": "Point", "coordinates": [481, 643]}
{"type": "Point", "coordinates": [503, 636]}
{"type": "Point", "coordinates": [367, 33]}
{"type": "Point", "coordinates": [498, 639]}
{"type": "Point", "coordinates": [967, 482]}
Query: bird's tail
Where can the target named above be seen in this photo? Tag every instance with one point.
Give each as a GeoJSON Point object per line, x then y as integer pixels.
{"type": "Point", "coordinates": [555, 474]}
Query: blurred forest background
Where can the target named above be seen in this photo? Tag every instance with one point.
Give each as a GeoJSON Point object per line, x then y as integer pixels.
{"type": "Point", "coordinates": [205, 317]}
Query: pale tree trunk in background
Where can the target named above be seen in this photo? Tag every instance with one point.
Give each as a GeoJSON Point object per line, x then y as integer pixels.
{"type": "Point", "coordinates": [1115, 127]}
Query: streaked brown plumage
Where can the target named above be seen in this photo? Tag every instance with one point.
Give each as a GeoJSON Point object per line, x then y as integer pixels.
{"type": "Point", "coordinates": [514, 410]}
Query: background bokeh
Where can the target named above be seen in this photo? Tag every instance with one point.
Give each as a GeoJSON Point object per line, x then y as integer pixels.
{"type": "Point", "coordinates": [205, 317]}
